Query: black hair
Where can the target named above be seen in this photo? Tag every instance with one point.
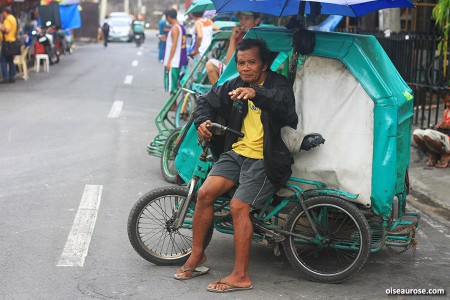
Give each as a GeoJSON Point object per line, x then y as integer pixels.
{"type": "Point", "coordinates": [171, 13]}
{"type": "Point", "coordinates": [7, 9]}
{"type": "Point", "coordinates": [247, 44]}
{"type": "Point", "coordinates": [198, 14]}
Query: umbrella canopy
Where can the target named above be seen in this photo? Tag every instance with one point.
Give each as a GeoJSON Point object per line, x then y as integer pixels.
{"type": "Point", "coordinates": [281, 8]}
{"type": "Point", "coordinates": [200, 6]}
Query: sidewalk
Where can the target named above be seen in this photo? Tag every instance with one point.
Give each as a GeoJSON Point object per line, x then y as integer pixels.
{"type": "Point", "coordinates": [430, 185]}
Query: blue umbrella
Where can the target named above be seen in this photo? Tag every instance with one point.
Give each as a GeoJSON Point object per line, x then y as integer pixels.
{"type": "Point", "coordinates": [280, 8]}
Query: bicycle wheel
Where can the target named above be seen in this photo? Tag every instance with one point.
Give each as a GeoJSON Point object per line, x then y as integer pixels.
{"type": "Point", "coordinates": [345, 244]}
{"type": "Point", "coordinates": [149, 227]}
{"type": "Point", "coordinates": [167, 159]}
{"type": "Point", "coordinates": [185, 109]}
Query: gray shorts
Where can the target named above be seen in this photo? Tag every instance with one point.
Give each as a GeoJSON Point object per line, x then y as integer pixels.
{"type": "Point", "coordinates": [248, 174]}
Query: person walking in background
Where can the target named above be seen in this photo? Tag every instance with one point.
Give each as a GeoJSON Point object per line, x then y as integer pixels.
{"type": "Point", "coordinates": [202, 34]}
{"type": "Point", "coordinates": [105, 31]}
{"type": "Point", "coordinates": [8, 32]}
{"type": "Point", "coordinates": [163, 29]}
{"type": "Point", "coordinates": [175, 56]}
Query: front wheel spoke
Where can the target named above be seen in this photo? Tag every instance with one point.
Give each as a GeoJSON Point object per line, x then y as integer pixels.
{"type": "Point", "coordinates": [159, 233]}
{"type": "Point", "coordinates": [187, 241]}
{"type": "Point", "coordinates": [153, 217]}
{"type": "Point", "coordinates": [163, 211]}
{"type": "Point", "coordinates": [175, 246]}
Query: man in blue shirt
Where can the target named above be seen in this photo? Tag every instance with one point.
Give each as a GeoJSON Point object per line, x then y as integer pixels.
{"type": "Point", "coordinates": [163, 29]}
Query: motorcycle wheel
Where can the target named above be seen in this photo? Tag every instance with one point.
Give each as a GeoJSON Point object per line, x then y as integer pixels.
{"type": "Point", "coordinates": [149, 227]}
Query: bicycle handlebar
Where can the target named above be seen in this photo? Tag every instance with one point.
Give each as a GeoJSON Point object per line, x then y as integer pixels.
{"type": "Point", "coordinates": [222, 128]}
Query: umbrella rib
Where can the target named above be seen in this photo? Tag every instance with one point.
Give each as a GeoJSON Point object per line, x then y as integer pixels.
{"type": "Point", "coordinates": [284, 7]}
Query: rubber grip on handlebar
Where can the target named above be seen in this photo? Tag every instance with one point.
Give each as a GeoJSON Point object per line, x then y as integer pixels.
{"type": "Point", "coordinates": [224, 128]}
{"type": "Point", "coordinates": [238, 133]}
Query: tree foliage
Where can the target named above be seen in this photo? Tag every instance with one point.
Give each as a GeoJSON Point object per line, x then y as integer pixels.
{"type": "Point", "coordinates": [441, 14]}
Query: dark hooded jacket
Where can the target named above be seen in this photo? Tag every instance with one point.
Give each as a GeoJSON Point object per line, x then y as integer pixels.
{"type": "Point", "coordinates": [276, 100]}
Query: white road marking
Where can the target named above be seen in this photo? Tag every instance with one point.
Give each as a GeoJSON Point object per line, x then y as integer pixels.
{"type": "Point", "coordinates": [116, 108]}
{"type": "Point", "coordinates": [134, 63]}
{"type": "Point", "coordinates": [436, 225]}
{"type": "Point", "coordinates": [77, 244]}
{"type": "Point", "coordinates": [139, 53]}
{"type": "Point", "coordinates": [128, 79]}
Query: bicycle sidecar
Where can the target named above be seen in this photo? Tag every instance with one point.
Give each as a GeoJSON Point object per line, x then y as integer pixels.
{"type": "Point", "coordinates": [165, 121]}
{"type": "Point", "coordinates": [348, 90]}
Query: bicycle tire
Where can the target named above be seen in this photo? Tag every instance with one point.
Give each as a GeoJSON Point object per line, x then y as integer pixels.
{"type": "Point", "coordinates": [153, 212]}
{"type": "Point", "coordinates": [167, 160]}
{"type": "Point", "coordinates": [348, 240]}
{"type": "Point", "coordinates": [185, 109]}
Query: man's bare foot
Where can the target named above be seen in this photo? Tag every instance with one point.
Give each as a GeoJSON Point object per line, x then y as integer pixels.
{"type": "Point", "coordinates": [188, 270]}
{"type": "Point", "coordinates": [229, 284]}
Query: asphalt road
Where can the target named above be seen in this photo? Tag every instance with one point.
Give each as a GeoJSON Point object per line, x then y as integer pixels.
{"type": "Point", "coordinates": [57, 144]}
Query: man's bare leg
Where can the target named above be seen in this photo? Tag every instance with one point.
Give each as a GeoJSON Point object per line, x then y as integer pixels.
{"type": "Point", "coordinates": [213, 72]}
{"type": "Point", "coordinates": [240, 276]}
{"type": "Point", "coordinates": [212, 188]}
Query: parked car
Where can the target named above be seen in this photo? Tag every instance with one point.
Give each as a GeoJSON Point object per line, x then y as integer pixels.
{"type": "Point", "coordinates": [120, 15]}
{"type": "Point", "coordinates": [119, 30]}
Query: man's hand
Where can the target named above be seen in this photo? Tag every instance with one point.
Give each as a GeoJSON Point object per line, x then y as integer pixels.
{"type": "Point", "coordinates": [203, 132]}
{"type": "Point", "coordinates": [237, 30]}
{"type": "Point", "coordinates": [242, 93]}
{"type": "Point", "coordinates": [168, 65]}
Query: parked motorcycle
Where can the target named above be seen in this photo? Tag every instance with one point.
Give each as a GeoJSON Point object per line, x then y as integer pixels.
{"type": "Point", "coordinates": [44, 38]}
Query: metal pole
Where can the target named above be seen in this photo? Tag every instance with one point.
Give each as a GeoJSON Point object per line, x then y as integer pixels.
{"type": "Point", "coordinates": [101, 17]}
{"type": "Point", "coordinates": [126, 6]}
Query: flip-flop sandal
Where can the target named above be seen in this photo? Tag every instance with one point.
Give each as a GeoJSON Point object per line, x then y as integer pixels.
{"type": "Point", "coordinates": [232, 288]}
{"type": "Point", "coordinates": [442, 164]}
{"type": "Point", "coordinates": [200, 270]}
{"type": "Point", "coordinates": [431, 163]}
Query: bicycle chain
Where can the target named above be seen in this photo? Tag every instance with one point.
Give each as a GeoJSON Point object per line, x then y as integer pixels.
{"type": "Point", "coordinates": [413, 244]}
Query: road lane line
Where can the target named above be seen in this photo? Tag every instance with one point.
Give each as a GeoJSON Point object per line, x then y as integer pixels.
{"type": "Point", "coordinates": [116, 108]}
{"type": "Point", "coordinates": [134, 63]}
{"type": "Point", "coordinates": [139, 53]}
{"type": "Point", "coordinates": [436, 225]}
{"type": "Point", "coordinates": [128, 79]}
{"type": "Point", "coordinates": [77, 245]}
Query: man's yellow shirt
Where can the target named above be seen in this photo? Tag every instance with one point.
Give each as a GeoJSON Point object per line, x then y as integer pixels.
{"type": "Point", "coordinates": [11, 24]}
{"type": "Point", "coordinates": [251, 145]}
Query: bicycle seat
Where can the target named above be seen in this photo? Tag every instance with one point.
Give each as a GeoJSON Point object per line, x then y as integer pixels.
{"type": "Point", "coordinates": [296, 141]}
{"type": "Point", "coordinates": [311, 140]}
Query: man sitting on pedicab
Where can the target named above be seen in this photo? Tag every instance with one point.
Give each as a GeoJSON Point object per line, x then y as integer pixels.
{"type": "Point", "coordinates": [258, 103]}
{"type": "Point", "coordinates": [247, 20]}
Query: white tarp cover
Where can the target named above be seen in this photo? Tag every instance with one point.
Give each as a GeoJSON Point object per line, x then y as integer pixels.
{"type": "Point", "coordinates": [330, 101]}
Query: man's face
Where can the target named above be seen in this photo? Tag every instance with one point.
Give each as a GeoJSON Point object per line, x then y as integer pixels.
{"type": "Point", "coordinates": [247, 22]}
{"type": "Point", "coordinates": [250, 66]}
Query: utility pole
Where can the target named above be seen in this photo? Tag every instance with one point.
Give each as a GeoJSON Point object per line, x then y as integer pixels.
{"type": "Point", "coordinates": [126, 6]}
{"type": "Point", "coordinates": [101, 17]}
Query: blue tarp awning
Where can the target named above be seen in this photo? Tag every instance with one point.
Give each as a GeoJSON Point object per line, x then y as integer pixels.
{"type": "Point", "coordinates": [70, 16]}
